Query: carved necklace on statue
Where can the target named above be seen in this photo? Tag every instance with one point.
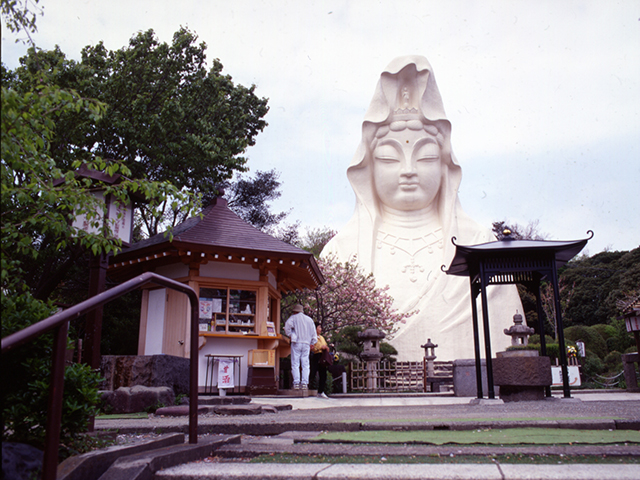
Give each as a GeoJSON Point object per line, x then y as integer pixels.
{"type": "Point", "coordinates": [414, 248]}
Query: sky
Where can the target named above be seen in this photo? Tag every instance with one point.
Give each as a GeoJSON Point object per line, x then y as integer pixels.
{"type": "Point", "coordinates": [543, 97]}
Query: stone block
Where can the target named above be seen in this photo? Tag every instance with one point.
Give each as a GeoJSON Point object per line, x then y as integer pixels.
{"type": "Point", "coordinates": [20, 460]}
{"type": "Point", "coordinates": [143, 466]}
{"type": "Point", "coordinates": [522, 371]}
{"type": "Point", "coordinates": [238, 410]}
{"type": "Point", "coordinates": [629, 368]}
{"type": "Point", "coordinates": [144, 397]}
{"type": "Point", "coordinates": [181, 411]}
{"type": "Point", "coordinates": [137, 399]}
{"type": "Point", "coordinates": [521, 394]}
{"type": "Point", "coordinates": [464, 378]}
{"type": "Point", "coordinates": [522, 378]}
{"type": "Point", "coordinates": [147, 370]}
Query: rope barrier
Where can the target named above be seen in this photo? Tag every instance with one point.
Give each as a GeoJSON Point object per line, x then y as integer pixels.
{"type": "Point", "coordinates": [609, 380]}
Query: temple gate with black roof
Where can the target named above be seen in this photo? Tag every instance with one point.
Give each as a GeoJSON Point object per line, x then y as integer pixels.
{"type": "Point", "coordinates": [240, 274]}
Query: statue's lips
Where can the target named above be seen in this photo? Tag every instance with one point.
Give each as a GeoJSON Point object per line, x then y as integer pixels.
{"type": "Point", "coordinates": [409, 187]}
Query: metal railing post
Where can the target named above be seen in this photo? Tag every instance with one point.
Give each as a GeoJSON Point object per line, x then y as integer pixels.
{"type": "Point", "coordinates": [54, 403]}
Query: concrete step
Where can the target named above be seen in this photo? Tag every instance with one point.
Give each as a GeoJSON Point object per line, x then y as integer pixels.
{"type": "Point", "coordinates": [140, 461]}
{"type": "Point", "coordinates": [91, 465]}
{"type": "Point", "coordinates": [251, 447]}
{"type": "Point", "coordinates": [240, 409]}
{"type": "Point", "coordinates": [223, 400]}
{"type": "Point", "coordinates": [144, 465]}
{"type": "Point", "coordinates": [327, 471]}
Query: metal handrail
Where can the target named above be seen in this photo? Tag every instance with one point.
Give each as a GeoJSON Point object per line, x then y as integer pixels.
{"type": "Point", "coordinates": [60, 323]}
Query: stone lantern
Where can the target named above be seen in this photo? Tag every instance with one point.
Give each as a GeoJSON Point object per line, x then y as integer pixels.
{"type": "Point", "coordinates": [371, 354]}
{"type": "Point", "coordinates": [522, 375]}
{"type": "Point", "coordinates": [519, 333]}
{"type": "Point", "coordinates": [429, 356]}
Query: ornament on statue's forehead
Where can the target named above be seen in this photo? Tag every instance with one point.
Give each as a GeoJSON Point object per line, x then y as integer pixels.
{"type": "Point", "coordinates": [407, 113]}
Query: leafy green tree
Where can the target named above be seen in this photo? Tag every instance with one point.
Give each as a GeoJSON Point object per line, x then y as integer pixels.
{"type": "Point", "coordinates": [250, 197]}
{"type": "Point", "coordinates": [26, 377]}
{"type": "Point", "coordinates": [20, 16]}
{"type": "Point", "coordinates": [593, 341]}
{"type": "Point", "coordinates": [169, 117]}
{"type": "Point", "coordinates": [599, 282]}
{"type": "Point", "coordinates": [36, 214]}
{"type": "Point", "coordinates": [40, 196]}
{"type": "Point", "coordinates": [288, 232]}
{"type": "Point", "coordinates": [316, 239]}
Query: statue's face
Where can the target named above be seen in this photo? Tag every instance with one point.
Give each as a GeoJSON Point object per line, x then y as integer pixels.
{"type": "Point", "coordinates": [407, 169]}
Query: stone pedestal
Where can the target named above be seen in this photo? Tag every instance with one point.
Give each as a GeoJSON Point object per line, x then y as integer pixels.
{"type": "Point", "coordinates": [464, 378]}
{"type": "Point", "coordinates": [522, 375]}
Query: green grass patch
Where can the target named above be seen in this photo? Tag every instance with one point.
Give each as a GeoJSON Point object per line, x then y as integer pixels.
{"type": "Point", "coordinates": [507, 436]}
{"type": "Point", "coordinates": [501, 419]}
{"type": "Point", "coordinates": [121, 416]}
{"type": "Point", "coordinates": [458, 459]}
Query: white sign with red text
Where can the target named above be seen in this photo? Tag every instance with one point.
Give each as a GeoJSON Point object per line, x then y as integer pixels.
{"type": "Point", "coordinates": [225, 373]}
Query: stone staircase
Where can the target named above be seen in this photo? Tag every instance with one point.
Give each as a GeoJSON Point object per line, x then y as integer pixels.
{"type": "Point", "coordinates": [140, 461]}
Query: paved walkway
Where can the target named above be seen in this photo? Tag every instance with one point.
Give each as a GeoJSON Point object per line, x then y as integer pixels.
{"type": "Point", "coordinates": [589, 410]}
{"type": "Point", "coordinates": [390, 400]}
{"type": "Point", "coordinates": [326, 471]}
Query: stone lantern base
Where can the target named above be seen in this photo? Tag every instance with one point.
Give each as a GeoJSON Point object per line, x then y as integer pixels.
{"type": "Point", "coordinates": [522, 375]}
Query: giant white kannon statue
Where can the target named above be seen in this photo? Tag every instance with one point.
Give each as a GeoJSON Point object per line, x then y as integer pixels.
{"type": "Point", "coordinates": [406, 178]}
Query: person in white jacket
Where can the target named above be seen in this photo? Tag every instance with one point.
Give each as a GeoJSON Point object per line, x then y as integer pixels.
{"type": "Point", "coordinates": [302, 332]}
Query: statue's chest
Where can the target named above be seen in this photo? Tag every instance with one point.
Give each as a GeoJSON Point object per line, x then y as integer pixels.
{"type": "Point", "coordinates": [406, 263]}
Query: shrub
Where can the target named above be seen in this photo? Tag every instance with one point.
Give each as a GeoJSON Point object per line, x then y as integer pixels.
{"type": "Point", "coordinates": [536, 339]}
{"type": "Point", "coordinates": [613, 361]}
{"type": "Point", "coordinates": [26, 375]}
{"type": "Point", "coordinates": [622, 339]}
{"type": "Point", "coordinates": [593, 366]}
{"type": "Point", "coordinates": [553, 351]}
{"type": "Point", "coordinates": [524, 347]}
{"type": "Point", "coordinates": [607, 331]}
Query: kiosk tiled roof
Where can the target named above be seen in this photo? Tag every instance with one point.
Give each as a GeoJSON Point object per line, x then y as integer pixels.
{"type": "Point", "coordinates": [217, 232]}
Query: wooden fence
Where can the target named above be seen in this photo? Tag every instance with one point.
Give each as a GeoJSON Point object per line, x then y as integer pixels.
{"type": "Point", "coordinates": [397, 377]}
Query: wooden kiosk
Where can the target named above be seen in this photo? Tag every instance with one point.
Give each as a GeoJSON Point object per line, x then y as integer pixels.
{"type": "Point", "coordinates": [240, 273]}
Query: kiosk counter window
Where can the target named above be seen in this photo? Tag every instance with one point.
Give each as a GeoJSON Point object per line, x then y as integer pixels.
{"type": "Point", "coordinates": [227, 310]}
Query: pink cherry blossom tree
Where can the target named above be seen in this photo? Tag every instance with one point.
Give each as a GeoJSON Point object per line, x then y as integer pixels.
{"type": "Point", "coordinates": [348, 297]}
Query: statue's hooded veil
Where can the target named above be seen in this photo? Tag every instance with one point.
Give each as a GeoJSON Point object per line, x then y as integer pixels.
{"type": "Point", "coordinates": [416, 74]}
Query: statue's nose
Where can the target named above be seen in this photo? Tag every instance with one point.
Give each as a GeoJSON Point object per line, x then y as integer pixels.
{"type": "Point", "coordinates": [408, 166]}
